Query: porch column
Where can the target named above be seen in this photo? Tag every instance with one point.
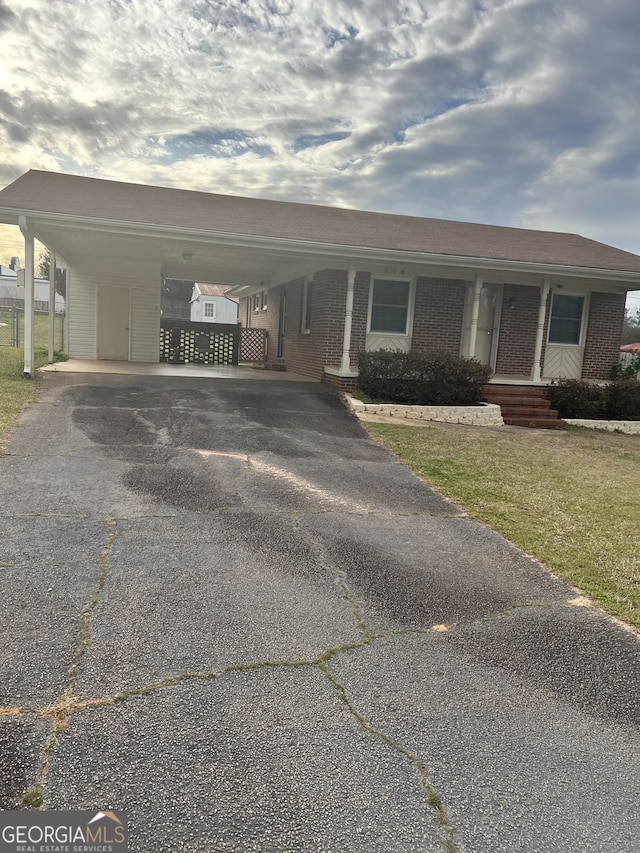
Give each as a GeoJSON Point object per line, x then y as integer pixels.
{"type": "Point", "coordinates": [29, 251]}
{"type": "Point", "coordinates": [542, 312]}
{"type": "Point", "coordinates": [345, 364]}
{"type": "Point", "coordinates": [52, 303]}
{"type": "Point", "coordinates": [475, 313]}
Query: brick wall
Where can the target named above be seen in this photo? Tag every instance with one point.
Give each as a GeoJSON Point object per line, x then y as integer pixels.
{"type": "Point", "coordinates": [602, 346]}
{"type": "Point", "coordinates": [439, 309]}
{"type": "Point", "coordinates": [267, 319]}
{"type": "Point", "coordinates": [518, 328]}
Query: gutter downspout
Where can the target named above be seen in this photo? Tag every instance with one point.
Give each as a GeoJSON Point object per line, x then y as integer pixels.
{"type": "Point", "coordinates": [345, 364]}
{"type": "Point", "coordinates": [542, 313]}
{"type": "Point", "coordinates": [29, 252]}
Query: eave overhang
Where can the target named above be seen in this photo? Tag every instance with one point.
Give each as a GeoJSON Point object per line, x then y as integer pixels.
{"type": "Point", "coordinates": [331, 252]}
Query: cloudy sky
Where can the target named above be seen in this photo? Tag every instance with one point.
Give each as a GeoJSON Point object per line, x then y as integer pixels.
{"type": "Point", "coordinates": [513, 112]}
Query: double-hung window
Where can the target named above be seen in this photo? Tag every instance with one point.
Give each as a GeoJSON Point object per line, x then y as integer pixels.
{"type": "Point", "coordinates": [210, 310]}
{"type": "Point", "coordinates": [565, 325]}
{"type": "Point", "coordinates": [390, 306]}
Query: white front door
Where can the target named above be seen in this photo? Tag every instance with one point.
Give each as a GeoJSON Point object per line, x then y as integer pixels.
{"type": "Point", "coordinates": [113, 322]}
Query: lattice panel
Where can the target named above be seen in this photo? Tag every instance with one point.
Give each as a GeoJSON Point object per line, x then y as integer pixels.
{"type": "Point", "coordinates": [199, 343]}
{"type": "Point", "coordinates": [253, 344]}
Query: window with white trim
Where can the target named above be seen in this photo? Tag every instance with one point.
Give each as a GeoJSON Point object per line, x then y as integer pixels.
{"type": "Point", "coordinates": [210, 310]}
{"type": "Point", "coordinates": [307, 301]}
{"type": "Point", "coordinates": [565, 324]}
{"type": "Point", "coordinates": [390, 306]}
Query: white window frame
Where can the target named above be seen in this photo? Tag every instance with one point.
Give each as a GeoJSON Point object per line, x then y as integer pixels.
{"type": "Point", "coordinates": [411, 281]}
{"type": "Point", "coordinates": [304, 329]}
{"type": "Point", "coordinates": [265, 300]}
{"type": "Point", "coordinates": [583, 318]}
{"type": "Point", "coordinates": [205, 310]}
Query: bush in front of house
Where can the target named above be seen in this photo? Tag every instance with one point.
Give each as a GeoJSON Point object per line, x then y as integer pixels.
{"type": "Point", "coordinates": [576, 398]}
{"type": "Point", "coordinates": [623, 400]}
{"type": "Point", "coordinates": [434, 378]}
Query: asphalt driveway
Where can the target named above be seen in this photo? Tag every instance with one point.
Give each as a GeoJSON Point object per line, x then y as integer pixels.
{"type": "Point", "coordinates": [229, 613]}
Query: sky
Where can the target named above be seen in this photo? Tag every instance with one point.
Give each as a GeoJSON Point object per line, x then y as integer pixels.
{"type": "Point", "coordinates": [509, 112]}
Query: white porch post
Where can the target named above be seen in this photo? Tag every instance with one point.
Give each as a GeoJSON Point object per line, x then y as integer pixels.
{"type": "Point", "coordinates": [29, 251]}
{"type": "Point", "coordinates": [345, 364]}
{"type": "Point", "coordinates": [475, 313]}
{"type": "Point", "coordinates": [542, 312]}
{"type": "Point", "coordinates": [52, 303]}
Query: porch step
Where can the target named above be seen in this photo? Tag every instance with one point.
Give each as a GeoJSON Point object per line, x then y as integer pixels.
{"type": "Point", "coordinates": [524, 405]}
{"type": "Point", "coordinates": [534, 423]}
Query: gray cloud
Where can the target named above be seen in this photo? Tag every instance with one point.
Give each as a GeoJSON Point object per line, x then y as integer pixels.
{"type": "Point", "coordinates": [508, 111]}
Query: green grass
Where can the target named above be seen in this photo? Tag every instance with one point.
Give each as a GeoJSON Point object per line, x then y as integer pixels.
{"type": "Point", "coordinates": [15, 390]}
{"type": "Point", "coordinates": [572, 500]}
{"type": "Point", "coordinates": [40, 329]}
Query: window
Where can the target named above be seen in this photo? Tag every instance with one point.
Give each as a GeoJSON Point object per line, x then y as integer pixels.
{"type": "Point", "coordinates": [566, 319]}
{"type": "Point", "coordinates": [210, 310]}
{"type": "Point", "coordinates": [259, 301]}
{"type": "Point", "coordinates": [390, 306]}
{"type": "Point", "coordinates": [307, 299]}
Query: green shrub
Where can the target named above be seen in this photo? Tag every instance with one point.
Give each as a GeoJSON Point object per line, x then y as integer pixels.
{"type": "Point", "coordinates": [433, 378]}
{"type": "Point", "coordinates": [576, 398]}
{"type": "Point", "coordinates": [628, 371]}
{"type": "Point", "coordinates": [623, 400]}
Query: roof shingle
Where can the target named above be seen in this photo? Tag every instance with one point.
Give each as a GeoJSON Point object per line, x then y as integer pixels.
{"type": "Point", "coordinates": [79, 197]}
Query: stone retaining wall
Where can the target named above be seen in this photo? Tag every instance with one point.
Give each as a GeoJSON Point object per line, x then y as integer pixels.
{"type": "Point", "coordinates": [628, 427]}
{"type": "Point", "coordinates": [486, 414]}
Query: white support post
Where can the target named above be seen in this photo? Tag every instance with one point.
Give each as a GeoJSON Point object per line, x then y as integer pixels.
{"type": "Point", "coordinates": [345, 364]}
{"type": "Point", "coordinates": [536, 373]}
{"type": "Point", "coordinates": [52, 304]}
{"type": "Point", "coordinates": [29, 252]}
{"type": "Point", "coordinates": [475, 313]}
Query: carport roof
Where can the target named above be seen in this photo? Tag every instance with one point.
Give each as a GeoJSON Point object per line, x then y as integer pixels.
{"type": "Point", "coordinates": [79, 199]}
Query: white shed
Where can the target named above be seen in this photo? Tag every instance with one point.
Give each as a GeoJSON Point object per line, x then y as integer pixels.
{"type": "Point", "coordinates": [210, 305]}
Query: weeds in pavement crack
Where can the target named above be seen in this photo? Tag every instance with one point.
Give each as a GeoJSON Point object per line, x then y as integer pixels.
{"type": "Point", "coordinates": [432, 796]}
{"type": "Point", "coordinates": [58, 713]}
{"type": "Point", "coordinates": [340, 578]}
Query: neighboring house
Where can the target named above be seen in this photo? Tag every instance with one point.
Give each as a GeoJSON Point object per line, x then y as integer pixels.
{"type": "Point", "coordinates": [210, 305]}
{"type": "Point", "coordinates": [12, 293]}
{"type": "Point", "coordinates": [327, 283]}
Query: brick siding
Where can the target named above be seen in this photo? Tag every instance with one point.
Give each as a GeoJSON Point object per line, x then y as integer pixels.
{"type": "Point", "coordinates": [439, 309]}
{"type": "Point", "coordinates": [518, 328]}
{"type": "Point", "coordinates": [604, 332]}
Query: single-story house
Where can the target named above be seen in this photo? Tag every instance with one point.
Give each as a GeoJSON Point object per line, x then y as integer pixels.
{"type": "Point", "coordinates": [210, 304]}
{"type": "Point", "coordinates": [326, 283]}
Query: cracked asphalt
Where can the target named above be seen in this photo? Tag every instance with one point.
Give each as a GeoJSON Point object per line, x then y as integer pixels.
{"type": "Point", "coordinates": [229, 613]}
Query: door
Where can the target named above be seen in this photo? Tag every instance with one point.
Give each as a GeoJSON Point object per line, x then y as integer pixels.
{"type": "Point", "coordinates": [488, 320]}
{"type": "Point", "coordinates": [113, 323]}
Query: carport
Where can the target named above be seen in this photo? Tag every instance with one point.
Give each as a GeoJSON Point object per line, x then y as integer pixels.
{"type": "Point", "coordinates": [118, 241]}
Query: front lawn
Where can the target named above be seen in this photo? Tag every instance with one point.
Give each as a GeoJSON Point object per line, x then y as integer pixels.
{"type": "Point", "coordinates": [15, 390]}
{"type": "Point", "coordinates": [572, 500]}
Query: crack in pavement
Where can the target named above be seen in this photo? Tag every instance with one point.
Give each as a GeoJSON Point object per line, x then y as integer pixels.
{"type": "Point", "coordinates": [60, 712]}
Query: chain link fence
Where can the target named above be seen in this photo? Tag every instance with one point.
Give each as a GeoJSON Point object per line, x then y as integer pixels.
{"type": "Point", "coordinates": [12, 329]}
